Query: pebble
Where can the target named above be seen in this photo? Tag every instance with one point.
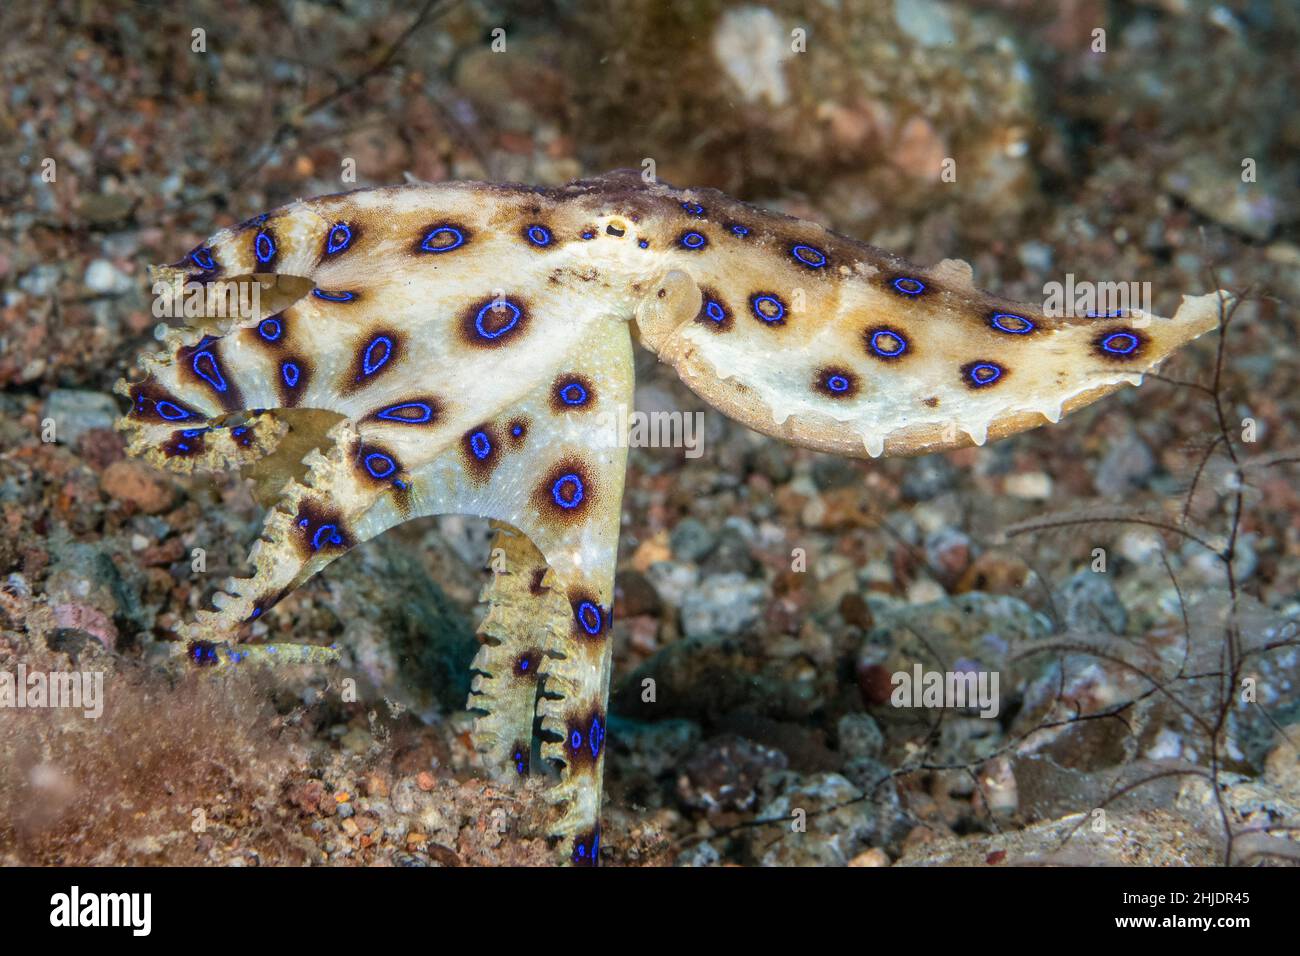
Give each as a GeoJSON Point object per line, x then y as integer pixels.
{"type": "Point", "coordinates": [732, 553]}
{"type": "Point", "coordinates": [925, 21]}
{"type": "Point", "coordinates": [136, 483]}
{"type": "Point", "coordinates": [672, 580]}
{"type": "Point", "coordinates": [41, 281]}
{"type": "Point", "coordinates": [1090, 604]}
{"type": "Point", "coordinates": [634, 595]}
{"type": "Point", "coordinates": [1127, 466]}
{"type": "Point", "coordinates": [829, 473]}
{"type": "Point", "coordinates": [948, 552]}
{"type": "Point", "coordinates": [691, 540]}
{"type": "Point", "coordinates": [76, 412]}
{"type": "Point", "coordinates": [104, 277]}
{"type": "Point", "coordinates": [859, 736]}
{"type": "Point", "coordinates": [722, 604]}
{"type": "Point", "coordinates": [839, 824]}
{"type": "Point", "coordinates": [873, 857]}
{"type": "Point", "coordinates": [724, 773]}
{"type": "Point", "coordinates": [927, 478]}
{"type": "Point", "coordinates": [1029, 485]}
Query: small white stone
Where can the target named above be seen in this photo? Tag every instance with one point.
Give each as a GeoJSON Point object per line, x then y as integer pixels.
{"type": "Point", "coordinates": [1030, 485]}
{"type": "Point", "coordinates": [103, 276]}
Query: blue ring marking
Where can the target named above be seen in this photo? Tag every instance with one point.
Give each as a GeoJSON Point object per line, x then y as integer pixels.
{"type": "Point", "coordinates": [575, 740]}
{"type": "Point", "coordinates": [809, 256]}
{"type": "Point", "coordinates": [291, 374]}
{"type": "Point", "coordinates": [257, 612]}
{"type": "Point", "coordinates": [589, 235]}
{"type": "Point", "coordinates": [566, 396]}
{"type": "Point", "coordinates": [334, 296]}
{"type": "Point", "coordinates": [573, 484]}
{"type": "Point", "coordinates": [973, 375]}
{"type": "Point", "coordinates": [1117, 314]}
{"type": "Point", "coordinates": [177, 414]}
{"type": "Point", "coordinates": [214, 378]}
{"type": "Point", "coordinates": [519, 762]}
{"type": "Point", "coordinates": [515, 311]}
{"type": "Point", "coordinates": [999, 322]}
{"type": "Point", "coordinates": [693, 240]}
{"type": "Point", "coordinates": [270, 329]}
{"type": "Point", "coordinates": [759, 314]}
{"type": "Point", "coordinates": [1107, 343]}
{"type": "Point", "coordinates": [397, 413]}
{"type": "Point", "coordinates": [480, 445]}
{"type": "Point", "coordinates": [523, 664]}
{"type": "Point", "coordinates": [538, 235]}
{"type": "Point", "coordinates": [264, 247]}
{"type": "Point", "coordinates": [399, 484]}
{"type": "Point", "coordinates": [369, 364]}
{"type": "Point", "coordinates": [740, 230]}
{"type": "Point", "coordinates": [334, 536]}
{"type": "Point", "coordinates": [644, 244]}
{"type": "Point", "coordinates": [194, 432]}
{"type": "Point", "coordinates": [588, 608]}
{"type": "Point", "coordinates": [457, 239]}
{"type": "Point", "coordinates": [340, 238]}
{"type": "Point", "coordinates": [596, 736]}
{"type": "Point", "coordinates": [837, 383]}
{"type": "Point", "coordinates": [884, 352]}
{"type": "Point", "coordinates": [908, 285]}
{"type": "Point", "coordinates": [714, 310]}
{"type": "Point", "coordinates": [694, 208]}
{"type": "Point", "coordinates": [385, 467]}
{"type": "Point", "coordinates": [203, 259]}
{"type": "Point", "coordinates": [517, 430]}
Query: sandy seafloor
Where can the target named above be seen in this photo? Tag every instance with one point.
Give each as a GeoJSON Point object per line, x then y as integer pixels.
{"type": "Point", "coordinates": [773, 685]}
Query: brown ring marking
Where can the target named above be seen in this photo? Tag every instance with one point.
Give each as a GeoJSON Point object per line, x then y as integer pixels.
{"type": "Point", "coordinates": [566, 492]}
{"type": "Point", "coordinates": [876, 333]}
{"type": "Point", "coordinates": [320, 529]}
{"type": "Point", "coordinates": [200, 365]}
{"type": "Point", "coordinates": [591, 621]}
{"type": "Point", "coordinates": [413, 411]}
{"type": "Point", "coordinates": [714, 314]}
{"type": "Point", "coordinates": [419, 250]}
{"type": "Point", "coordinates": [584, 741]}
{"type": "Point", "coordinates": [149, 401]}
{"type": "Point", "coordinates": [292, 387]}
{"type": "Point", "coordinates": [562, 388]}
{"type": "Point", "coordinates": [480, 451]}
{"type": "Point", "coordinates": [1112, 337]}
{"type": "Point", "coordinates": [836, 382]}
{"type": "Point", "coordinates": [493, 322]}
{"type": "Point", "coordinates": [375, 354]}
